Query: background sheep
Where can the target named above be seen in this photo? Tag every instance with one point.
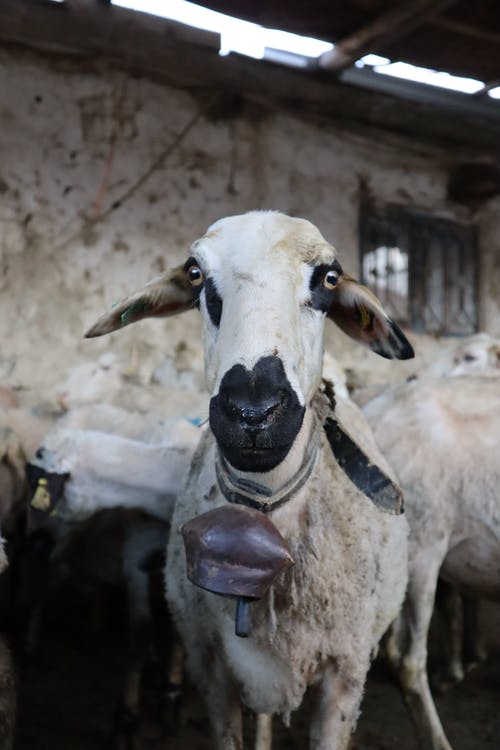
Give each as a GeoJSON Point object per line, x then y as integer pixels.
{"type": "Point", "coordinates": [108, 381]}
{"type": "Point", "coordinates": [98, 530]}
{"type": "Point", "coordinates": [448, 467]}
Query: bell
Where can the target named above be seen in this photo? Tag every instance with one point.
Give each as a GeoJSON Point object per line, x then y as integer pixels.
{"type": "Point", "coordinates": [235, 551]}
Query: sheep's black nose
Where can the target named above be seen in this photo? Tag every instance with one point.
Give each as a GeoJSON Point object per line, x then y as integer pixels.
{"type": "Point", "coordinates": [253, 397]}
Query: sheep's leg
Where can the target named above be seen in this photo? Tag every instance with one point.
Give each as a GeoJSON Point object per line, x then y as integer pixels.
{"type": "Point", "coordinates": [337, 708]}
{"type": "Point", "coordinates": [175, 678]}
{"type": "Point", "coordinates": [224, 708]}
{"type": "Point", "coordinates": [449, 601]}
{"type": "Point", "coordinates": [412, 667]}
{"type": "Point", "coordinates": [127, 716]}
{"type": "Point", "coordinates": [264, 732]}
{"type": "Point", "coordinates": [126, 722]}
{"type": "Point", "coordinates": [474, 650]}
{"type": "Point", "coordinates": [454, 622]}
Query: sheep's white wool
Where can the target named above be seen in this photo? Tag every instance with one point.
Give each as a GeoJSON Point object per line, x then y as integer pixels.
{"type": "Point", "coordinates": [265, 283]}
{"type": "Point", "coordinates": [441, 434]}
{"type": "Point", "coordinates": [325, 616]}
{"type": "Point", "coordinates": [112, 471]}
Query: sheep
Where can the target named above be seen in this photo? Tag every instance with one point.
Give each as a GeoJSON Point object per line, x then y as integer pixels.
{"type": "Point", "coordinates": [29, 427]}
{"type": "Point", "coordinates": [108, 502]}
{"type": "Point", "coordinates": [264, 283]}
{"type": "Point", "coordinates": [109, 471]}
{"type": "Point", "coordinates": [478, 354]}
{"type": "Point", "coordinates": [441, 433]}
{"type": "Point", "coordinates": [106, 382]}
{"type": "Point", "coordinates": [113, 548]}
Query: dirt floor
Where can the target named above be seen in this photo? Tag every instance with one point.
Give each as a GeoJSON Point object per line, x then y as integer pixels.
{"type": "Point", "coordinates": [68, 696]}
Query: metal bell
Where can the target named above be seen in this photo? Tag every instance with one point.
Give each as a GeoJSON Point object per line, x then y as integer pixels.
{"type": "Point", "coordinates": [235, 551]}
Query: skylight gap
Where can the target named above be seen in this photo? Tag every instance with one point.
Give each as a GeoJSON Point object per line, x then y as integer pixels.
{"type": "Point", "coordinates": [285, 48]}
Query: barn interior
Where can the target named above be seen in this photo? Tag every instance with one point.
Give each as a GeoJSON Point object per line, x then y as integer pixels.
{"type": "Point", "coordinates": [125, 133]}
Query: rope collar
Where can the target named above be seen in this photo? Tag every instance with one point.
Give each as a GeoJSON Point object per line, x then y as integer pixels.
{"type": "Point", "coordinates": [258, 496]}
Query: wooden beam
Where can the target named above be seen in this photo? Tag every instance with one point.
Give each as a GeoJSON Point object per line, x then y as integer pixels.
{"type": "Point", "coordinates": [459, 27]}
{"type": "Point", "coordinates": [85, 27]}
{"type": "Point", "coordinates": [90, 37]}
{"type": "Point", "coordinates": [390, 26]}
{"type": "Point", "coordinates": [487, 87]}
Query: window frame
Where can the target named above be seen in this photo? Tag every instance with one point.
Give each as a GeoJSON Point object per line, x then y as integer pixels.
{"type": "Point", "coordinates": [393, 225]}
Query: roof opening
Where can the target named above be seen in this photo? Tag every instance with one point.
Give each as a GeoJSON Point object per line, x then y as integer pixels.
{"type": "Point", "coordinates": [291, 49]}
{"type": "Point", "coordinates": [236, 36]}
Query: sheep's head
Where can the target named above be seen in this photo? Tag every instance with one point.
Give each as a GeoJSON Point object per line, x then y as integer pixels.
{"type": "Point", "coordinates": [264, 283]}
{"type": "Point", "coordinates": [476, 355]}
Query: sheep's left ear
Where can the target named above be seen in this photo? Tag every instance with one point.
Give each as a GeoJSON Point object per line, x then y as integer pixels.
{"type": "Point", "coordinates": [358, 312]}
{"type": "Point", "coordinates": [165, 295]}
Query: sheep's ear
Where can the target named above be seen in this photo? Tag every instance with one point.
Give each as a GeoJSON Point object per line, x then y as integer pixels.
{"type": "Point", "coordinates": [358, 312]}
{"type": "Point", "coordinates": [168, 294]}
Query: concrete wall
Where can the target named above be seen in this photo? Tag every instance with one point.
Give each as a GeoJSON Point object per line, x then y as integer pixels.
{"type": "Point", "coordinates": [73, 142]}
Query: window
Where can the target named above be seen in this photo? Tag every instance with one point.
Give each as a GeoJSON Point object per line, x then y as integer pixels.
{"type": "Point", "coordinates": [423, 268]}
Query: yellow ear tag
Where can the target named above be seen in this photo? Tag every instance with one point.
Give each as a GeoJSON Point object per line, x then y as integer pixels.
{"type": "Point", "coordinates": [41, 498]}
{"type": "Point", "coordinates": [366, 318]}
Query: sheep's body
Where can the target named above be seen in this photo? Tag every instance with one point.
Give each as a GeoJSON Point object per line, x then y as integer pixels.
{"type": "Point", "coordinates": [264, 283]}
{"type": "Point", "coordinates": [448, 467]}
{"type": "Point", "coordinates": [147, 428]}
{"type": "Point", "coordinates": [110, 471]}
{"type": "Point", "coordinates": [324, 618]}
{"type": "Point", "coordinates": [105, 382]}
{"type": "Point", "coordinates": [114, 548]}
{"type": "Point", "coordinates": [109, 527]}
{"type": "Point", "coordinates": [28, 426]}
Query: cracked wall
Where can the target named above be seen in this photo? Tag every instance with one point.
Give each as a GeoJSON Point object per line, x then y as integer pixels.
{"type": "Point", "coordinates": [83, 223]}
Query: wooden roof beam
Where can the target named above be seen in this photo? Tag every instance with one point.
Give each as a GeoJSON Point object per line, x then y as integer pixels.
{"type": "Point", "coordinates": [390, 26]}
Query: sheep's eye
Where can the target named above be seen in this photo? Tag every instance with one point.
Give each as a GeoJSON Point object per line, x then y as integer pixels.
{"type": "Point", "coordinates": [331, 280]}
{"type": "Point", "coordinates": [469, 358]}
{"type": "Point", "coordinates": [195, 276]}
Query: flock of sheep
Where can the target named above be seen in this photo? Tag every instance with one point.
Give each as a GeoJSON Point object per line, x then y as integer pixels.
{"type": "Point", "coordinates": [131, 466]}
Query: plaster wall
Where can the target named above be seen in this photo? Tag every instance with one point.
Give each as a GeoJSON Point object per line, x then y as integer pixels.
{"type": "Point", "coordinates": [72, 143]}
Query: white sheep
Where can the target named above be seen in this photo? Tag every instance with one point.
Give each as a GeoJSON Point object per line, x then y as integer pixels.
{"type": "Point", "coordinates": [110, 471]}
{"type": "Point", "coordinates": [478, 354]}
{"type": "Point", "coordinates": [441, 434]}
{"type": "Point", "coordinates": [101, 506]}
{"type": "Point", "coordinates": [29, 427]}
{"type": "Point", "coordinates": [106, 382]}
{"type": "Point", "coordinates": [264, 283]}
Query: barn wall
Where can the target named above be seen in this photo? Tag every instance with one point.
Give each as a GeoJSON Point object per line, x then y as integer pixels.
{"type": "Point", "coordinates": [73, 142]}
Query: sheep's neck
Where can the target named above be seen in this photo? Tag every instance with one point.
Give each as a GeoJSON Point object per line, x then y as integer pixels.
{"type": "Point", "coordinates": [267, 490]}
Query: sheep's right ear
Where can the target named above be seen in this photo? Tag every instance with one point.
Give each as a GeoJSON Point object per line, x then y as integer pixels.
{"type": "Point", "coordinates": [165, 295]}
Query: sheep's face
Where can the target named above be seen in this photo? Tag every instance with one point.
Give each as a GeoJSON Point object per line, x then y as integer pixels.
{"type": "Point", "coordinates": [263, 283]}
{"type": "Point", "coordinates": [478, 355]}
